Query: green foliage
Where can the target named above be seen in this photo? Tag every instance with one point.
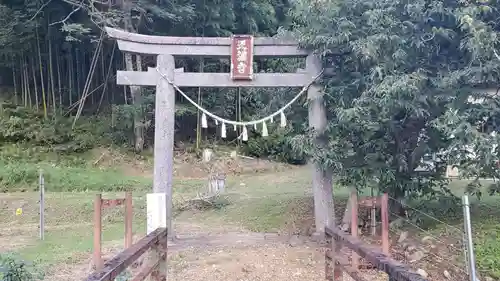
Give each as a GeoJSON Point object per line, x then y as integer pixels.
{"type": "Point", "coordinates": [22, 125]}
{"type": "Point", "coordinates": [405, 72]}
{"type": "Point", "coordinates": [124, 276]}
{"type": "Point", "coordinates": [47, 49]}
{"type": "Point", "coordinates": [12, 268]}
{"type": "Point", "coordinates": [276, 146]}
{"type": "Point", "coordinates": [487, 248]}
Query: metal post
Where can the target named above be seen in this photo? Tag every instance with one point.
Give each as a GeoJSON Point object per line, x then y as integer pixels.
{"type": "Point", "coordinates": [466, 255]}
{"type": "Point", "coordinates": [41, 186]}
{"type": "Point", "coordinates": [470, 244]}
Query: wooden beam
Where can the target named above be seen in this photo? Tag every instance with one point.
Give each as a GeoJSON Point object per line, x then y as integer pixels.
{"type": "Point", "coordinates": [214, 80]}
{"type": "Point", "coordinates": [120, 262]}
{"type": "Point", "coordinates": [207, 41]}
{"type": "Point", "coordinates": [200, 46]}
{"type": "Point", "coordinates": [207, 50]}
{"type": "Point", "coordinates": [374, 255]}
{"type": "Point", "coordinates": [259, 80]}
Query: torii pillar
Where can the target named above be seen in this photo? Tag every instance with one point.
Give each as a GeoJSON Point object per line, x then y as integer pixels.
{"type": "Point", "coordinates": [165, 47]}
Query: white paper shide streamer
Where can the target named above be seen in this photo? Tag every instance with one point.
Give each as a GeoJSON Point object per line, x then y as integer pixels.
{"type": "Point", "coordinates": [282, 119]}
{"type": "Point", "coordinates": [264, 129]}
{"type": "Point", "coordinates": [204, 123]}
{"type": "Point", "coordinates": [244, 134]}
{"type": "Point", "coordinates": [223, 130]}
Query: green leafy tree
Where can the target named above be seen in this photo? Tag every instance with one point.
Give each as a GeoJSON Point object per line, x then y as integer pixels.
{"type": "Point", "coordinates": [405, 73]}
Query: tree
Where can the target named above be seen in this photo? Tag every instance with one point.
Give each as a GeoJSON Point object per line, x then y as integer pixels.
{"type": "Point", "coordinates": [404, 76]}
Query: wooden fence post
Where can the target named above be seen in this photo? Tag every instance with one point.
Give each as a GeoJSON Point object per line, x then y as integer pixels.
{"type": "Point", "coordinates": [128, 219]}
{"type": "Point", "coordinates": [41, 186]}
{"type": "Point", "coordinates": [97, 258]}
{"type": "Point", "coordinates": [354, 226]}
{"type": "Point", "coordinates": [385, 223]}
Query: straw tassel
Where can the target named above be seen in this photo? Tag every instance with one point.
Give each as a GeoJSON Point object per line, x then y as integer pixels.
{"type": "Point", "coordinates": [272, 119]}
{"type": "Point", "coordinates": [234, 127]}
{"type": "Point", "coordinates": [255, 127]}
{"type": "Point", "coordinates": [264, 129]}
{"type": "Point", "coordinates": [216, 122]}
{"type": "Point", "coordinates": [245, 134]}
{"type": "Point", "coordinates": [204, 120]}
{"type": "Point", "coordinates": [223, 130]}
{"type": "Point", "coordinates": [283, 119]}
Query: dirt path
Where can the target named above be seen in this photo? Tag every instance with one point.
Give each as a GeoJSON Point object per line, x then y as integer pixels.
{"type": "Point", "coordinates": [204, 252]}
{"type": "Point", "coordinates": [249, 256]}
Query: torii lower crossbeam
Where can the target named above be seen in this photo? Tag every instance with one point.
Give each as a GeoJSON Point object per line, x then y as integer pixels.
{"type": "Point", "coordinates": [213, 80]}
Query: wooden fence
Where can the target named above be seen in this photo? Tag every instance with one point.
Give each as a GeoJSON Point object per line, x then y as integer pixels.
{"type": "Point", "coordinates": [156, 241]}
{"type": "Point", "coordinates": [337, 262]}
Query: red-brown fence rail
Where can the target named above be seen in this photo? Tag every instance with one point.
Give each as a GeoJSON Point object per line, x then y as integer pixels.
{"type": "Point", "coordinates": [337, 262]}
{"type": "Point", "coordinates": [156, 241]}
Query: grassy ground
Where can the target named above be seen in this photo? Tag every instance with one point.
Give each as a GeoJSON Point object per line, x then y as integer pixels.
{"type": "Point", "coordinates": [273, 200]}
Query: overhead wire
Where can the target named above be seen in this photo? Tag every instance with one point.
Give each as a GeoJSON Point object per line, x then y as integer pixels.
{"type": "Point", "coordinates": [426, 214]}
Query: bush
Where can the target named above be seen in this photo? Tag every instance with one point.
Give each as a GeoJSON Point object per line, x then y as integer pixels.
{"type": "Point", "coordinates": [24, 125]}
{"type": "Point", "coordinates": [13, 268]}
{"type": "Point", "coordinates": [276, 146]}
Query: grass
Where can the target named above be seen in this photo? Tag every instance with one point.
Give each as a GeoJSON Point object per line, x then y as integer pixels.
{"type": "Point", "coordinates": [260, 202]}
{"type": "Point", "coordinates": [59, 247]}
{"type": "Point", "coordinates": [24, 177]}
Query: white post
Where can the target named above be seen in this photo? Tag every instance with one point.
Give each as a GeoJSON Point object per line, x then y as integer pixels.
{"type": "Point", "coordinates": [164, 137]}
{"type": "Point", "coordinates": [41, 186]}
{"type": "Point", "coordinates": [156, 204]}
{"type": "Point", "coordinates": [468, 233]}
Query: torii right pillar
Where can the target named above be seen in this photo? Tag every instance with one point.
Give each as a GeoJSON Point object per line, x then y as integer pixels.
{"type": "Point", "coordinates": [322, 178]}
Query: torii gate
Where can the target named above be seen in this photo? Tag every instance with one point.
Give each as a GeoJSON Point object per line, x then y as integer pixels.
{"type": "Point", "coordinates": [159, 206]}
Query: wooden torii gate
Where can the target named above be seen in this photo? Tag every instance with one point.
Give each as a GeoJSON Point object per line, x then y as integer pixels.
{"type": "Point", "coordinates": [166, 48]}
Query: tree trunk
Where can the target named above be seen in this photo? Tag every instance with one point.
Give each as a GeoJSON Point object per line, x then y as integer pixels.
{"type": "Point", "coordinates": [35, 84]}
{"type": "Point", "coordinates": [70, 78]}
{"type": "Point", "coordinates": [135, 93]}
{"type": "Point", "coordinates": [59, 82]}
{"type": "Point", "coordinates": [14, 78]}
{"type": "Point", "coordinates": [51, 74]}
{"type": "Point", "coordinates": [42, 84]}
{"type": "Point", "coordinates": [78, 69]}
